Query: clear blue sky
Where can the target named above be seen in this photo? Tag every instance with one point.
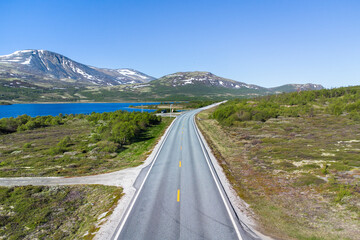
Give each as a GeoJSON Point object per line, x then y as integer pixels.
{"type": "Point", "coordinates": [264, 42]}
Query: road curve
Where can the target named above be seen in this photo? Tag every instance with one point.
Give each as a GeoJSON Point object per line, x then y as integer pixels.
{"type": "Point", "coordinates": [180, 196]}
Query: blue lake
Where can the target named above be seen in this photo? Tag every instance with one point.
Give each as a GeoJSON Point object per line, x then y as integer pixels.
{"type": "Point", "coordinates": [55, 109]}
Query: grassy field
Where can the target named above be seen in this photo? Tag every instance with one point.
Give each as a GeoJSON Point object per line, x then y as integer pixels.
{"type": "Point", "coordinates": [300, 175]}
{"type": "Point", "coordinates": [57, 212]}
{"type": "Point", "coordinates": [35, 152]}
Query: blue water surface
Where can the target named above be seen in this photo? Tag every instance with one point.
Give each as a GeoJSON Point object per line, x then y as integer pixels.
{"type": "Point", "coordinates": [54, 109]}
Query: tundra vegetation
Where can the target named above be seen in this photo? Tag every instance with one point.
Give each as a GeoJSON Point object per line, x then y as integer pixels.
{"type": "Point", "coordinates": [121, 93]}
{"type": "Point", "coordinates": [295, 158]}
{"type": "Point", "coordinates": [74, 145]}
{"type": "Point", "coordinates": [70, 145]}
{"type": "Point", "coordinates": [56, 212]}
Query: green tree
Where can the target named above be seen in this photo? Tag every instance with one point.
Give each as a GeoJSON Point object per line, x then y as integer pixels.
{"type": "Point", "coordinates": [123, 132]}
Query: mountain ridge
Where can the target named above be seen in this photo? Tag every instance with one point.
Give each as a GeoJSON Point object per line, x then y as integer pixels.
{"type": "Point", "coordinates": [207, 78]}
{"type": "Point", "coordinates": [40, 75]}
{"type": "Point", "coordinates": [53, 66]}
{"type": "Point", "coordinates": [297, 87]}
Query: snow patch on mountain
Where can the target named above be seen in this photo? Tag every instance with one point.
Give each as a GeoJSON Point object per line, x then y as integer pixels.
{"type": "Point", "coordinates": [27, 61]}
{"type": "Point", "coordinates": [131, 73]}
{"type": "Point", "coordinates": [46, 64]}
{"type": "Point", "coordinates": [205, 78]}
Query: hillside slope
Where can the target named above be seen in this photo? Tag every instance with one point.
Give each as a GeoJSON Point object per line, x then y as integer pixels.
{"type": "Point", "coordinates": [53, 69]}
{"type": "Point", "coordinates": [296, 87]}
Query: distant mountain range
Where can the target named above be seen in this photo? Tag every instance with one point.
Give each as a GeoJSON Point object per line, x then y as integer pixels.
{"type": "Point", "coordinates": [42, 75]}
{"type": "Point", "coordinates": [193, 85]}
{"type": "Point", "coordinates": [296, 87]}
{"type": "Point", "coordinates": [205, 78]}
{"type": "Point", "coordinates": [49, 67]}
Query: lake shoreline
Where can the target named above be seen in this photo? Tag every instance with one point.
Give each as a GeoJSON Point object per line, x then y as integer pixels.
{"type": "Point", "coordinates": [54, 109]}
{"type": "Point", "coordinates": [13, 103]}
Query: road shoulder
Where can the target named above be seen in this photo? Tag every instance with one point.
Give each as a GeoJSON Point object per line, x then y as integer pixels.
{"type": "Point", "coordinates": [241, 208]}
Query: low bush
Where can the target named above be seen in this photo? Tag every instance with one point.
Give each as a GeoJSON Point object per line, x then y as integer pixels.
{"type": "Point", "coordinates": [343, 192]}
{"type": "Point", "coordinates": [65, 142]}
{"type": "Point", "coordinates": [332, 101]}
{"type": "Point", "coordinates": [121, 127]}
{"type": "Point", "coordinates": [25, 122]}
{"type": "Point", "coordinates": [27, 145]}
{"type": "Point", "coordinates": [107, 146]}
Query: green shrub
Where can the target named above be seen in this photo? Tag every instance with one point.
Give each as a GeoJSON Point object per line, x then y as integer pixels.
{"type": "Point", "coordinates": [355, 115]}
{"type": "Point", "coordinates": [25, 122]}
{"type": "Point", "coordinates": [122, 132]}
{"type": "Point", "coordinates": [336, 101]}
{"type": "Point", "coordinates": [64, 143]}
{"type": "Point", "coordinates": [335, 109]}
{"type": "Point", "coordinates": [56, 150]}
{"type": "Point", "coordinates": [108, 147]}
{"type": "Point", "coordinates": [325, 169]}
{"type": "Point", "coordinates": [27, 145]}
{"type": "Point", "coordinates": [95, 137]}
{"type": "Point", "coordinates": [61, 147]}
{"type": "Point", "coordinates": [121, 127]}
{"type": "Point", "coordinates": [343, 192]}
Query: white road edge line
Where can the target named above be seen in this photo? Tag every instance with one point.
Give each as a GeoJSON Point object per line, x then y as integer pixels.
{"type": "Point", "coordinates": [142, 184]}
{"type": "Point", "coordinates": [217, 184]}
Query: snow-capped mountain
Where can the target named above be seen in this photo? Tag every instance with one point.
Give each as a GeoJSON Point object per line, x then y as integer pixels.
{"type": "Point", "coordinates": [204, 78]}
{"type": "Point", "coordinates": [35, 64]}
{"type": "Point", "coordinates": [297, 87]}
{"type": "Point", "coordinates": [307, 86]}
{"type": "Point", "coordinates": [208, 79]}
{"type": "Point", "coordinates": [126, 74]}
{"type": "Point", "coordinates": [41, 69]}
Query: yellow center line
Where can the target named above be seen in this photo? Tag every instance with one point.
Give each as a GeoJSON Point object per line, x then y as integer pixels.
{"type": "Point", "coordinates": [179, 163]}
{"type": "Point", "coordinates": [178, 195]}
{"type": "Point", "coordinates": [180, 147]}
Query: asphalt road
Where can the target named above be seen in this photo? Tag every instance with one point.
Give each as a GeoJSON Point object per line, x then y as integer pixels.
{"type": "Point", "coordinates": [179, 196]}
